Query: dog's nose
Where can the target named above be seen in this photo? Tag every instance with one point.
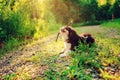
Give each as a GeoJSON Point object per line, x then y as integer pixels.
{"type": "Point", "coordinates": [62, 30]}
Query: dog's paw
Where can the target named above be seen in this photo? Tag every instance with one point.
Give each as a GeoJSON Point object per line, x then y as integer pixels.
{"type": "Point", "coordinates": [61, 52]}
{"type": "Point", "coordinates": [63, 55]}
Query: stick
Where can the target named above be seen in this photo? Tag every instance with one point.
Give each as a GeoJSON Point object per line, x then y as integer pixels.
{"type": "Point", "coordinates": [57, 36]}
{"type": "Point", "coordinates": [69, 23]}
{"type": "Point", "coordinates": [66, 26]}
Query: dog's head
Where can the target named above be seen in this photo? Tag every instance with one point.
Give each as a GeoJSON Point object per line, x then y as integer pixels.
{"type": "Point", "coordinates": [67, 32]}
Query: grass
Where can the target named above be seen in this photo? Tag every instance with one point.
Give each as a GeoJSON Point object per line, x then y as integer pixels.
{"type": "Point", "coordinates": [82, 59]}
{"type": "Point", "coordinates": [89, 23]}
{"type": "Point", "coordinates": [10, 76]}
{"type": "Point", "coordinates": [82, 64]}
{"type": "Point", "coordinates": [14, 43]}
{"type": "Point", "coordinates": [19, 27]}
{"type": "Point", "coordinates": [105, 53]}
{"type": "Point", "coordinates": [109, 48]}
{"type": "Point", "coordinates": [112, 24]}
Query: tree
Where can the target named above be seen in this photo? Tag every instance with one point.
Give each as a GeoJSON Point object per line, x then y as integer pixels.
{"type": "Point", "coordinates": [87, 9]}
{"type": "Point", "coordinates": [115, 10]}
{"type": "Point", "coordinates": [64, 10]}
{"type": "Point", "coordinates": [108, 10]}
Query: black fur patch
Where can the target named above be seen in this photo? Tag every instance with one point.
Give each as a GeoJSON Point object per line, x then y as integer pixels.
{"type": "Point", "coordinates": [74, 38]}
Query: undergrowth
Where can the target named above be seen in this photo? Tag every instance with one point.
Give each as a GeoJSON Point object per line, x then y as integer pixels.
{"type": "Point", "coordinates": [89, 23]}
{"type": "Point", "coordinates": [112, 24]}
{"type": "Point", "coordinates": [83, 58]}
{"type": "Point", "coordinates": [19, 23]}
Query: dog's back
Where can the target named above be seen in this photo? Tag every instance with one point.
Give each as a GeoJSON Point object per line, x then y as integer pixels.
{"type": "Point", "coordinates": [86, 37]}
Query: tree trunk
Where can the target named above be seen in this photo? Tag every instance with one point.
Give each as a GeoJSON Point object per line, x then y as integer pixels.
{"type": "Point", "coordinates": [113, 16]}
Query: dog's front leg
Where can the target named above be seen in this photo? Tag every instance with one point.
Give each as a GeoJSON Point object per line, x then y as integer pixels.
{"type": "Point", "coordinates": [66, 49]}
{"type": "Point", "coordinates": [65, 53]}
{"type": "Point", "coordinates": [63, 50]}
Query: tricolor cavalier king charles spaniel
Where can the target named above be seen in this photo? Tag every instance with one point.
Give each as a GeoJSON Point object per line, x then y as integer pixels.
{"type": "Point", "coordinates": [72, 39]}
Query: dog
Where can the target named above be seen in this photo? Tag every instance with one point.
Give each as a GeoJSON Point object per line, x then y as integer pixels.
{"type": "Point", "coordinates": [72, 39]}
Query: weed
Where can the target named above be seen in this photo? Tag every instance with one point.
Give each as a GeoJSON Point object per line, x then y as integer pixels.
{"type": "Point", "coordinates": [83, 57]}
{"type": "Point", "coordinates": [10, 76]}
{"type": "Point", "coordinates": [51, 74]}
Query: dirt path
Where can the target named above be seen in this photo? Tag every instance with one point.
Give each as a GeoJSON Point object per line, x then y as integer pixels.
{"type": "Point", "coordinates": [22, 58]}
{"type": "Point", "coordinates": [32, 60]}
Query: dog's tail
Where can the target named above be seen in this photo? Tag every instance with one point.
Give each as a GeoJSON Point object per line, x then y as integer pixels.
{"type": "Point", "coordinates": [88, 37]}
{"type": "Point", "coordinates": [85, 35]}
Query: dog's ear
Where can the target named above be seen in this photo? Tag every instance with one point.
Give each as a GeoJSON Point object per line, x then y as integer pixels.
{"type": "Point", "coordinates": [72, 33]}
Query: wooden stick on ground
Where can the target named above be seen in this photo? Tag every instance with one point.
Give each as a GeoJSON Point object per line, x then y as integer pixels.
{"type": "Point", "coordinates": [57, 36]}
{"type": "Point", "coordinates": [69, 23]}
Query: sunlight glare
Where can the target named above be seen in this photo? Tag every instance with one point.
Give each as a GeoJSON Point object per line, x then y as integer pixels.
{"type": "Point", "coordinates": [40, 0]}
{"type": "Point", "coordinates": [101, 2]}
{"type": "Point", "coordinates": [112, 2]}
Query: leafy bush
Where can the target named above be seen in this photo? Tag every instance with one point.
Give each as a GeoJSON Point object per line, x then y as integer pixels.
{"type": "Point", "coordinates": [20, 22]}
{"type": "Point", "coordinates": [15, 26]}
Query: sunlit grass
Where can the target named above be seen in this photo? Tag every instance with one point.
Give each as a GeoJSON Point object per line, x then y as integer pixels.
{"type": "Point", "coordinates": [112, 24]}
{"type": "Point", "coordinates": [32, 60]}
{"type": "Point", "coordinates": [47, 54]}
{"type": "Point", "coordinates": [108, 76]}
{"type": "Point", "coordinates": [108, 40]}
{"type": "Point", "coordinates": [27, 22]}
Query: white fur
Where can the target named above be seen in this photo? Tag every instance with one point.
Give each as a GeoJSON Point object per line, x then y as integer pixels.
{"type": "Point", "coordinates": [65, 53]}
{"type": "Point", "coordinates": [85, 37]}
{"type": "Point", "coordinates": [67, 46]}
{"type": "Point", "coordinates": [66, 49]}
{"type": "Point", "coordinates": [64, 34]}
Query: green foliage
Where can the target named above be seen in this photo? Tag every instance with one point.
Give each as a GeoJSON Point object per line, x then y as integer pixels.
{"type": "Point", "coordinates": [87, 23]}
{"type": "Point", "coordinates": [103, 12]}
{"type": "Point", "coordinates": [12, 42]}
{"type": "Point", "coordinates": [91, 23]}
{"type": "Point", "coordinates": [108, 51]}
{"type": "Point", "coordinates": [15, 26]}
{"type": "Point", "coordinates": [75, 72]}
{"type": "Point", "coordinates": [10, 76]}
{"type": "Point", "coordinates": [51, 75]}
{"type": "Point", "coordinates": [64, 11]}
{"type": "Point", "coordinates": [90, 10]}
{"type": "Point", "coordinates": [19, 22]}
{"type": "Point", "coordinates": [82, 58]}
{"type": "Point", "coordinates": [88, 7]}
{"type": "Point", "coordinates": [112, 24]}
{"type": "Point", "coordinates": [86, 56]}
